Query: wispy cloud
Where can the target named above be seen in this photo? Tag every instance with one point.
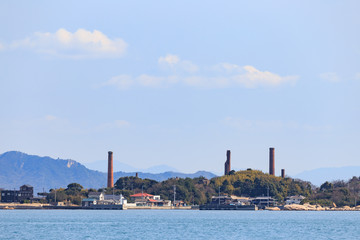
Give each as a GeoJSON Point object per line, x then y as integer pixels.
{"type": "Point", "coordinates": [330, 77]}
{"type": "Point", "coordinates": [117, 124]}
{"type": "Point", "coordinates": [188, 74]}
{"type": "Point", "coordinates": [80, 44]}
{"type": "Point", "coordinates": [50, 118]}
{"type": "Point", "coordinates": [174, 63]}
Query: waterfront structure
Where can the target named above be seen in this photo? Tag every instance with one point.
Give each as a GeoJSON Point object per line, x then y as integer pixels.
{"type": "Point", "coordinates": [110, 179]}
{"type": "Point", "coordinates": [263, 202]}
{"type": "Point", "coordinates": [26, 192]}
{"type": "Point", "coordinates": [97, 195]}
{"type": "Point", "coordinates": [87, 202]}
{"type": "Point", "coordinates": [225, 202]}
{"type": "Point", "coordinates": [99, 198]}
{"type": "Point", "coordinates": [148, 200]}
{"type": "Point", "coordinates": [228, 162]}
{"type": "Point", "coordinates": [294, 199]}
{"type": "Point", "coordinates": [179, 203]}
{"type": "Point", "coordinates": [230, 200]}
{"type": "Point", "coordinates": [272, 161]}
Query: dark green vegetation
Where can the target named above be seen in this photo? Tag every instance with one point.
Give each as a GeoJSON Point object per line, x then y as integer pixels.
{"type": "Point", "coordinates": [72, 194]}
{"type": "Point", "coordinates": [337, 193]}
{"type": "Point", "coordinates": [190, 190]}
{"type": "Point", "coordinates": [254, 183]}
{"type": "Point", "coordinates": [249, 183]}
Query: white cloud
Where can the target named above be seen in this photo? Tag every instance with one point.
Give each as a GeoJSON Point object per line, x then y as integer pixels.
{"type": "Point", "coordinates": [121, 123]}
{"type": "Point", "coordinates": [50, 118]}
{"type": "Point", "coordinates": [250, 77]}
{"type": "Point", "coordinates": [80, 44]}
{"type": "Point", "coordinates": [174, 63]}
{"type": "Point", "coordinates": [357, 76]}
{"type": "Point", "coordinates": [117, 124]}
{"type": "Point", "coordinates": [169, 59]}
{"type": "Point", "coordinates": [221, 76]}
{"type": "Point", "coordinates": [330, 76]}
{"type": "Point", "coordinates": [121, 81]}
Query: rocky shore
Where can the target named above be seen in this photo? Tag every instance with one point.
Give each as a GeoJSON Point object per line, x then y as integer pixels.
{"type": "Point", "coordinates": [309, 207]}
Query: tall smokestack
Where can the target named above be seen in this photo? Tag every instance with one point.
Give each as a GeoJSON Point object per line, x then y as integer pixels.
{"type": "Point", "coordinates": [283, 173]}
{"type": "Point", "coordinates": [228, 162]}
{"type": "Point", "coordinates": [272, 161]}
{"type": "Point", "coordinates": [110, 180]}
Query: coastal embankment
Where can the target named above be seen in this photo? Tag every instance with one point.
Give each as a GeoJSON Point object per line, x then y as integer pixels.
{"type": "Point", "coordinates": [309, 207]}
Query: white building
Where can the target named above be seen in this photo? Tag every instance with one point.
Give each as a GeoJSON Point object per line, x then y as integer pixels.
{"type": "Point", "coordinates": [99, 198]}
{"type": "Point", "coordinates": [97, 195]}
{"type": "Point", "coordinates": [118, 199]}
{"type": "Point", "coordinates": [294, 199]}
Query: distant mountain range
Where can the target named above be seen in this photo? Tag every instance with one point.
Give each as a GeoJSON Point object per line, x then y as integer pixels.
{"type": "Point", "coordinates": [18, 168]}
{"type": "Point", "coordinates": [320, 175]}
{"type": "Point", "coordinates": [119, 166]}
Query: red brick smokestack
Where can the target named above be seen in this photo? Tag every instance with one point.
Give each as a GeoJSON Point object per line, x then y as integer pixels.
{"type": "Point", "coordinates": [272, 161]}
{"type": "Point", "coordinates": [228, 162]}
{"type": "Point", "coordinates": [283, 173]}
{"type": "Point", "coordinates": [110, 180]}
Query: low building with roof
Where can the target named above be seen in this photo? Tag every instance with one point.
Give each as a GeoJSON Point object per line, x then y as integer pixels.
{"type": "Point", "coordinates": [294, 199]}
{"type": "Point", "coordinates": [26, 192]}
{"type": "Point", "coordinates": [97, 198]}
{"type": "Point", "coordinates": [96, 195]}
{"type": "Point", "coordinates": [263, 202]}
{"type": "Point", "coordinates": [149, 200]}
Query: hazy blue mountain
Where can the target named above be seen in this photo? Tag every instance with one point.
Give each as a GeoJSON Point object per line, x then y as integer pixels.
{"type": "Point", "coordinates": [123, 167]}
{"type": "Point", "coordinates": [44, 172]}
{"type": "Point", "coordinates": [320, 175]}
{"type": "Point", "coordinates": [17, 168]}
{"type": "Point", "coordinates": [118, 166]}
{"type": "Point", "coordinates": [159, 169]}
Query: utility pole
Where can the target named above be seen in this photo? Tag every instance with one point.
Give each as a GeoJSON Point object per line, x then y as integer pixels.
{"type": "Point", "coordinates": [174, 193]}
{"type": "Point", "coordinates": [219, 195]}
{"type": "Point", "coordinates": [142, 194]}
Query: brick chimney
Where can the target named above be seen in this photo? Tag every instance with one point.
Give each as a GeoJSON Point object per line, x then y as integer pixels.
{"type": "Point", "coordinates": [110, 179]}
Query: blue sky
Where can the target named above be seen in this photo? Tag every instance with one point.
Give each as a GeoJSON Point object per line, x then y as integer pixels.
{"type": "Point", "coordinates": [180, 82]}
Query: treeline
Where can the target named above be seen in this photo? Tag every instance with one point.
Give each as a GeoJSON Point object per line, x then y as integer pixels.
{"type": "Point", "coordinates": [254, 183]}
{"type": "Point", "coordinates": [190, 190]}
{"type": "Point", "coordinates": [249, 183]}
{"type": "Point", "coordinates": [337, 193]}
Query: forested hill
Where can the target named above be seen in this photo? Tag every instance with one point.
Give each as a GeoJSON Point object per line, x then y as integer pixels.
{"type": "Point", "coordinates": [250, 183]}
{"type": "Point", "coordinates": [255, 183]}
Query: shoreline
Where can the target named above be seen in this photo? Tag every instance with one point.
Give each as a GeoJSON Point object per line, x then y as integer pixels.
{"type": "Point", "coordinates": [293, 207]}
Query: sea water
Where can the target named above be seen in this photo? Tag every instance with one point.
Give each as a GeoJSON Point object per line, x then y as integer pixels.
{"type": "Point", "coordinates": [177, 224]}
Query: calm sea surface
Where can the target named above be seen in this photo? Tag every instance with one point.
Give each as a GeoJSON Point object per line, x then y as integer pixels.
{"type": "Point", "coordinates": [177, 224]}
